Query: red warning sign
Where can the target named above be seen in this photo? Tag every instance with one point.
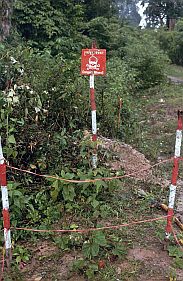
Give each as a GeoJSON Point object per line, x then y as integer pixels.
{"type": "Point", "coordinates": [93, 61]}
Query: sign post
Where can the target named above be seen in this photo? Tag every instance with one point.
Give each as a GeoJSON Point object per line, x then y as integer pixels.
{"type": "Point", "coordinates": [93, 63]}
{"type": "Point", "coordinates": [5, 203]}
{"type": "Point", "coordinates": [175, 171]}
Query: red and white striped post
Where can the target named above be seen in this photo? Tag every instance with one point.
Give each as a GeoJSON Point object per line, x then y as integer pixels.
{"type": "Point", "coordinates": [175, 172]}
{"type": "Point", "coordinates": [94, 119]}
{"type": "Point", "coordinates": [93, 63]}
{"type": "Point", "coordinates": [93, 114]}
{"type": "Point", "coordinates": [5, 203]}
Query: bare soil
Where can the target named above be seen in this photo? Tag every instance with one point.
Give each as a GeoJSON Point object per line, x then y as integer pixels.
{"type": "Point", "coordinates": [128, 158]}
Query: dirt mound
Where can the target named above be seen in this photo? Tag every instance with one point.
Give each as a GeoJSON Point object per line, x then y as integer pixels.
{"type": "Point", "coordinates": [131, 161]}
{"type": "Point", "coordinates": [127, 158]}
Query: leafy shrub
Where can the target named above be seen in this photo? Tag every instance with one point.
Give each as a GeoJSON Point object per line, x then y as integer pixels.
{"type": "Point", "coordinates": [147, 59]}
{"type": "Point", "coordinates": [47, 96]}
{"type": "Point", "coordinates": [119, 83]}
{"type": "Point", "coordinates": [172, 43]}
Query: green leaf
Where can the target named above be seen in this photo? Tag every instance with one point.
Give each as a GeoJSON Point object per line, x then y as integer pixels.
{"type": "Point", "coordinates": [178, 263]}
{"type": "Point", "coordinates": [11, 139]}
{"type": "Point", "coordinates": [73, 226]}
{"type": "Point", "coordinates": [55, 184]}
{"type": "Point", "coordinates": [69, 176]}
{"type": "Point", "coordinates": [17, 193]}
{"type": "Point", "coordinates": [17, 203]}
{"type": "Point", "coordinates": [26, 258]}
{"type": "Point", "coordinates": [54, 194]}
{"type": "Point", "coordinates": [119, 250]}
{"type": "Point", "coordinates": [86, 249]}
{"type": "Point", "coordinates": [95, 203]}
{"type": "Point", "coordinates": [90, 274]}
{"type": "Point", "coordinates": [62, 242]}
{"type": "Point", "coordinates": [68, 193]}
{"type": "Point", "coordinates": [98, 185]}
{"type": "Point", "coordinates": [175, 252]}
{"type": "Point", "coordinates": [63, 174]}
{"type": "Point", "coordinates": [78, 264]}
{"type": "Point", "coordinates": [99, 238]}
{"type": "Point", "coordinates": [14, 153]}
{"type": "Point", "coordinates": [18, 259]}
{"type": "Point", "coordinates": [94, 249]}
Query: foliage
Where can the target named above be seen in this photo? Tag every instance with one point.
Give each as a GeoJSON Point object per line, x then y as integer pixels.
{"type": "Point", "coordinates": [177, 253]}
{"type": "Point", "coordinates": [122, 85]}
{"type": "Point", "coordinates": [42, 22]}
{"type": "Point", "coordinates": [148, 60]}
{"type": "Point", "coordinates": [21, 254]}
{"type": "Point", "coordinates": [172, 42]}
{"type": "Point", "coordinates": [160, 12]}
{"type": "Point", "coordinates": [41, 89]}
{"type": "Point", "coordinates": [6, 7]}
{"type": "Point", "coordinates": [91, 248]}
{"type": "Point", "coordinates": [128, 10]}
{"type": "Point", "coordinates": [45, 112]}
{"type": "Point", "coordinates": [103, 8]}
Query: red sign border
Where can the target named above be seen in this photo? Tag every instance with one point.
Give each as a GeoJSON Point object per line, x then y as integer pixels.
{"type": "Point", "coordinates": [102, 60]}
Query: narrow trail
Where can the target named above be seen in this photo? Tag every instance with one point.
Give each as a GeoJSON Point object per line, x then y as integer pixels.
{"type": "Point", "coordinates": [175, 80]}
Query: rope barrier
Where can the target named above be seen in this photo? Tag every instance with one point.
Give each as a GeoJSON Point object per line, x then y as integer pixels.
{"type": "Point", "coordinates": [82, 231]}
{"type": "Point", "coordinates": [90, 229]}
{"type": "Point", "coordinates": [91, 180]}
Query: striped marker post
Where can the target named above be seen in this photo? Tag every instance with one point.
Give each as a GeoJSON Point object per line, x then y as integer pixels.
{"type": "Point", "coordinates": [93, 113]}
{"type": "Point", "coordinates": [93, 63]}
{"type": "Point", "coordinates": [175, 171]}
{"type": "Point", "coordinates": [5, 204]}
{"type": "Point", "coordinates": [94, 119]}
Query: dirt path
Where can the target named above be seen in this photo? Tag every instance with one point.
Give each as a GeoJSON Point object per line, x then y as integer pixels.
{"type": "Point", "coordinates": [175, 80]}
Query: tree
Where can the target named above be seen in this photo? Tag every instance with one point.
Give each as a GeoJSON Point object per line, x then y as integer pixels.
{"type": "Point", "coordinates": [128, 9]}
{"type": "Point", "coordinates": [164, 12]}
{"type": "Point", "coordinates": [43, 21]}
{"type": "Point", "coordinates": [6, 7]}
{"type": "Point", "coordinates": [99, 8]}
{"type": "Point", "coordinates": [60, 25]}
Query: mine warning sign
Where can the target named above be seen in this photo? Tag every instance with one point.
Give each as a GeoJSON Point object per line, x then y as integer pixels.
{"type": "Point", "coordinates": [93, 61]}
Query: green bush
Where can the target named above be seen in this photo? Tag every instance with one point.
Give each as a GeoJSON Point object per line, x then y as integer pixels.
{"type": "Point", "coordinates": [119, 84]}
{"type": "Point", "coordinates": [144, 55]}
{"type": "Point", "coordinates": [172, 42]}
{"type": "Point", "coordinates": [47, 96]}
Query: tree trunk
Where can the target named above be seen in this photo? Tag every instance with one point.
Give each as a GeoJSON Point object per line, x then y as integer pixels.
{"type": "Point", "coordinates": [6, 8]}
{"type": "Point", "coordinates": [172, 23]}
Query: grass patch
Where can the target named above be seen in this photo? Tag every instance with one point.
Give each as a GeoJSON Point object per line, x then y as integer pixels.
{"type": "Point", "coordinates": [156, 121]}
{"type": "Point", "coordinates": [175, 71]}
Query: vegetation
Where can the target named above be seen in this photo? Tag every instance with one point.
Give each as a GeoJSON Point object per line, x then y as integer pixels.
{"type": "Point", "coordinates": [45, 118]}
{"type": "Point", "coordinates": [163, 12]}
